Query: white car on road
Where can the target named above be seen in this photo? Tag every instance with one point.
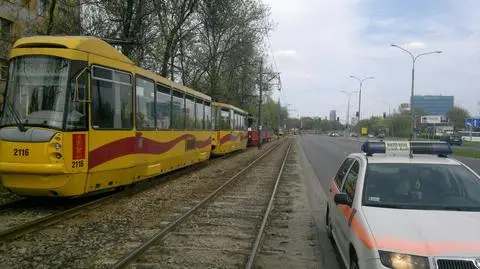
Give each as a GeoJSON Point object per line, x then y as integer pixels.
{"type": "Point", "coordinates": [405, 205]}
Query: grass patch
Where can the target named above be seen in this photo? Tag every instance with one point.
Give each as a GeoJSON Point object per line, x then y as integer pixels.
{"type": "Point", "coordinates": [471, 144]}
{"type": "Point", "coordinates": [466, 152]}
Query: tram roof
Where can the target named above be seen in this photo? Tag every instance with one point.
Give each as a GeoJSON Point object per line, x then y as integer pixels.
{"type": "Point", "coordinates": [230, 106]}
{"type": "Point", "coordinates": [86, 44]}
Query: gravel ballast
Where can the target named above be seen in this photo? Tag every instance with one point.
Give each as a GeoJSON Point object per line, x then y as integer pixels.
{"type": "Point", "coordinates": [220, 234]}
{"type": "Point", "coordinates": [89, 240]}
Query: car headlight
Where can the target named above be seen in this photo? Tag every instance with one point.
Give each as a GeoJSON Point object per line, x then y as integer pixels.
{"type": "Point", "coordinates": [403, 261]}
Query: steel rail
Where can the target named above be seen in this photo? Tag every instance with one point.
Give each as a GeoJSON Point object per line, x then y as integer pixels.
{"type": "Point", "coordinates": [43, 222]}
{"type": "Point", "coordinates": [133, 255]}
{"type": "Point", "coordinates": [12, 204]}
{"type": "Point", "coordinates": [259, 238]}
{"type": "Point", "coordinates": [49, 220]}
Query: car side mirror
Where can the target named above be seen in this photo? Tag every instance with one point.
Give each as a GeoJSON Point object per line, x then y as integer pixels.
{"type": "Point", "coordinates": [342, 199]}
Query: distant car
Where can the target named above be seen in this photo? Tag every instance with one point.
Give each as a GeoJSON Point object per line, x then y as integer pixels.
{"type": "Point", "coordinates": [452, 139]}
{"type": "Point", "coordinates": [381, 135]}
{"type": "Point", "coordinates": [371, 136]}
{"type": "Point", "coordinates": [405, 205]}
{"type": "Point", "coordinates": [334, 134]}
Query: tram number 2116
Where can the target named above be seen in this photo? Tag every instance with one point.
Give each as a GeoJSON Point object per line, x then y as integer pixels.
{"type": "Point", "coordinates": [78, 164]}
{"type": "Point", "coordinates": [21, 152]}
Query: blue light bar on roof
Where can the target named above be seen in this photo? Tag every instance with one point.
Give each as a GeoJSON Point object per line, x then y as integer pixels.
{"type": "Point", "coordinates": [425, 147]}
{"type": "Point", "coordinates": [416, 147]}
{"type": "Point", "coordinates": [371, 147]}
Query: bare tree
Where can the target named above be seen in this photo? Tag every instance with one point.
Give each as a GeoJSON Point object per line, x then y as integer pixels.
{"type": "Point", "coordinates": [130, 21]}
{"type": "Point", "coordinates": [231, 33]}
{"type": "Point", "coordinates": [173, 17]}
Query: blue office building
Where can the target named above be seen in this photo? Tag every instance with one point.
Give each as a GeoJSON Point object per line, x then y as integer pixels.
{"type": "Point", "coordinates": [433, 104]}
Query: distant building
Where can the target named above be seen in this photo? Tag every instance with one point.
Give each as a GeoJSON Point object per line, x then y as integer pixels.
{"type": "Point", "coordinates": [433, 104]}
{"type": "Point", "coordinates": [20, 17]}
{"type": "Point", "coordinates": [333, 115]}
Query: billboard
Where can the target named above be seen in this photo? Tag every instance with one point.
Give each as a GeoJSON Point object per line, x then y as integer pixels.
{"type": "Point", "coordinates": [432, 119]}
{"type": "Point", "coordinates": [404, 107]}
{"type": "Point", "coordinates": [472, 122]}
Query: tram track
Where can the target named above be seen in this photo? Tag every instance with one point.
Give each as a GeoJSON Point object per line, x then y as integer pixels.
{"type": "Point", "coordinates": [26, 215]}
{"type": "Point", "coordinates": [228, 223]}
{"type": "Point", "coordinates": [88, 240]}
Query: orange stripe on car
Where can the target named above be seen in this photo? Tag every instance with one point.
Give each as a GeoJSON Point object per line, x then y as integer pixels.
{"type": "Point", "coordinates": [358, 229]}
{"type": "Point", "coordinates": [427, 248]}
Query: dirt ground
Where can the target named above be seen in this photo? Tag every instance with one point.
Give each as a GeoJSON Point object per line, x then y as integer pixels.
{"type": "Point", "coordinates": [96, 238]}
{"type": "Point", "coordinates": [220, 235]}
{"type": "Point", "coordinates": [290, 239]}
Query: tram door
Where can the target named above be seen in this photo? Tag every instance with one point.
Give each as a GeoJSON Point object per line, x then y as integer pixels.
{"type": "Point", "coordinates": [112, 138]}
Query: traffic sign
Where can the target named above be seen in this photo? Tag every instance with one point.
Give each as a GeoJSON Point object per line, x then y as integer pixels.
{"type": "Point", "coordinates": [431, 119]}
{"type": "Point", "coordinates": [473, 122]}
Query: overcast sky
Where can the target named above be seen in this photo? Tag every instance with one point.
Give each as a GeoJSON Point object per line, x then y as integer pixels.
{"type": "Point", "coordinates": [318, 44]}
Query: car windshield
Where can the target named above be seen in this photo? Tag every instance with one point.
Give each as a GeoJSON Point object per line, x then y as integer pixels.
{"type": "Point", "coordinates": [36, 93]}
{"type": "Point", "coordinates": [421, 186]}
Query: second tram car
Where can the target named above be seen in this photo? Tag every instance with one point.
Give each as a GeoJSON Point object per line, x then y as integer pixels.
{"type": "Point", "coordinates": [230, 129]}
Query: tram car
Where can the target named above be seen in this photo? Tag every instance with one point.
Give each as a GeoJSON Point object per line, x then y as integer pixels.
{"type": "Point", "coordinates": [80, 117]}
{"type": "Point", "coordinates": [253, 134]}
{"type": "Point", "coordinates": [230, 130]}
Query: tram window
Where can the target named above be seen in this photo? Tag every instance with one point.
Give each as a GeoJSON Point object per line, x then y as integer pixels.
{"type": "Point", "coordinates": [103, 73]}
{"type": "Point", "coordinates": [77, 112]}
{"type": "Point", "coordinates": [239, 122]}
{"type": "Point", "coordinates": [234, 120]}
{"type": "Point", "coordinates": [112, 104]}
{"type": "Point", "coordinates": [190, 112]}
{"type": "Point", "coordinates": [208, 117]}
{"type": "Point", "coordinates": [215, 118]}
{"type": "Point", "coordinates": [145, 116]}
{"type": "Point", "coordinates": [163, 105]}
{"type": "Point", "coordinates": [199, 114]}
{"type": "Point", "coordinates": [225, 119]}
{"type": "Point", "coordinates": [178, 110]}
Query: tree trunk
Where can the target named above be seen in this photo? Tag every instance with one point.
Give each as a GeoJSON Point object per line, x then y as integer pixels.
{"type": "Point", "coordinates": [126, 49]}
{"type": "Point", "coordinates": [51, 15]}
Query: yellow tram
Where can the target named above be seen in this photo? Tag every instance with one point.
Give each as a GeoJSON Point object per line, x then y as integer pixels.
{"type": "Point", "coordinates": [230, 128]}
{"type": "Point", "coordinates": [80, 117]}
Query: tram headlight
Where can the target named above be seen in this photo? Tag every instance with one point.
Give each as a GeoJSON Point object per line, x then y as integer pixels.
{"type": "Point", "coordinates": [58, 146]}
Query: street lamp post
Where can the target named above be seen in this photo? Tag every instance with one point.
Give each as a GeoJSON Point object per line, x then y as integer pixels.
{"type": "Point", "coordinates": [360, 81]}
{"type": "Point", "coordinates": [414, 59]}
{"type": "Point", "coordinates": [348, 107]}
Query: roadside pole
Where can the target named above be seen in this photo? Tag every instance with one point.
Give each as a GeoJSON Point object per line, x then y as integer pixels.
{"type": "Point", "coordinates": [260, 101]}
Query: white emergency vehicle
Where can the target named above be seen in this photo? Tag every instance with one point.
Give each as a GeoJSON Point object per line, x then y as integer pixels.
{"type": "Point", "coordinates": [405, 205]}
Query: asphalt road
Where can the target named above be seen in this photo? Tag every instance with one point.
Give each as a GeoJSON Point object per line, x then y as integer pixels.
{"type": "Point", "coordinates": [321, 156]}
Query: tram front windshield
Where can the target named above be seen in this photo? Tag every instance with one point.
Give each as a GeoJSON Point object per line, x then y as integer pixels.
{"type": "Point", "coordinates": [37, 91]}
